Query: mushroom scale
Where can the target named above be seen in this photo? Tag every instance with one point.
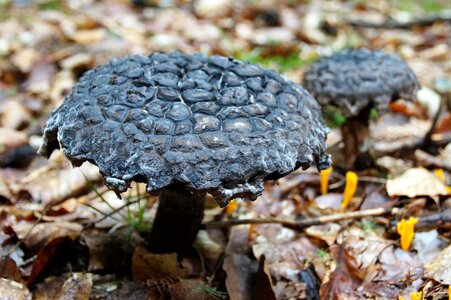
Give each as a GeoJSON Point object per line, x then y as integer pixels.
{"type": "Point", "coordinates": [213, 124]}
{"type": "Point", "coordinates": [356, 79]}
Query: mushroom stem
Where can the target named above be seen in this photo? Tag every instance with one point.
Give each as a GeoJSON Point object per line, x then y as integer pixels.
{"type": "Point", "coordinates": [179, 215]}
{"type": "Point", "coordinates": [355, 133]}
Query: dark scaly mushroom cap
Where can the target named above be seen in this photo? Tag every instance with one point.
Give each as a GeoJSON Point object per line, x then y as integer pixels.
{"type": "Point", "coordinates": [355, 79]}
{"type": "Point", "coordinates": [215, 124]}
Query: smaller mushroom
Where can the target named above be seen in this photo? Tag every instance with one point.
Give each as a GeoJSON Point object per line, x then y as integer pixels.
{"type": "Point", "coordinates": [355, 81]}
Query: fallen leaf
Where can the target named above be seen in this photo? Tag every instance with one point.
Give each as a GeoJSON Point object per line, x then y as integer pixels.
{"type": "Point", "coordinates": [340, 283]}
{"type": "Point", "coordinates": [428, 245]}
{"type": "Point", "coordinates": [77, 287]}
{"type": "Point", "coordinates": [416, 182]}
{"type": "Point", "coordinates": [394, 131]}
{"type": "Point", "coordinates": [51, 186]}
{"type": "Point", "coordinates": [440, 267]}
{"type": "Point", "coordinates": [263, 285]}
{"type": "Point", "coordinates": [146, 265]}
{"type": "Point", "coordinates": [49, 287]}
{"type": "Point", "coordinates": [35, 236]}
{"type": "Point", "coordinates": [327, 232]}
{"type": "Point", "coordinates": [12, 290]}
{"type": "Point", "coordinates": [110, 251]}
{"type": "Point", "coordinates": [239, 265]}
{"type": "Point", "coordinates": [46, 256]}
{"type": "Point", "coordinates": [9, 269]}
{"type": "Point", "coordinates": [14, 115]}
{"type": "Point", "coordinates": [331, 200]}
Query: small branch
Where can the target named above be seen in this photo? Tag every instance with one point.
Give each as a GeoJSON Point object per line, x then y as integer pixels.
{"type": "Point", "coordinates": [392, 24]}
{"type": "Point", "coordinates": [302, 224]}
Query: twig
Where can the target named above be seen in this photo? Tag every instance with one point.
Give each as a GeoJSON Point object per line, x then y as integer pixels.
{"type": "Point", "coordinates": [392, 24]}
{"type": "Point", "coordinates": [302, 224]}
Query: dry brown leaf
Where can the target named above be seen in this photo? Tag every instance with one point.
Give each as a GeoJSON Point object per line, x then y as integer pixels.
{"type": "Point", "coordinates": [40, 77]}
{"type": "Point", "coordinates": [330, 200]}
{"type": "Point", "coordinates": [53, 186]}
{"type": "Point", "coordinates": [35, 236]}
{"type": "Point", "coordinates": [440, 267]}
{"type": "Point", "coordinates": [428, 245]}
{"type": "Point", "coordinates": [416, 182]}
{"type": "Point", "coordinates": [77, 287]}
{"type": "Point", "coordinates": [48, 288]}
{"type": "Point", "coordinates": [263, 284]}
{"type": "Point", "coordinates": [87, 37]}
{"type": "Point", "coordinates": [9, 269]}
{"type": "Point", "coordinates": [24, 59]}
{"type": "Point", "coordinates": [46, 255]}
{"type": "Point", "coordinates": [284, 250]}
{"type": "Point", "coordinates": [327, 232]}
{"type": "Point", "coordinates": [146, 265]}
{"type": "Point", "coordinates": [394, 131]}
{"type": "Point", "coordinates": [14, 115]}
{"type": "Point", "coordinates": [239, 266]}
{"type": "Point", "coordinates": [110, 252]}
{"type": "Point", "coordinates": [12, 290]}
{"type": "Point", "coordinates": [340, 283]}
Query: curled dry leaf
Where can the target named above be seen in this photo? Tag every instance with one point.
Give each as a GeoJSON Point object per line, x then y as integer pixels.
{"type": "Point", "coordinates": [77, 287]}
{"type": "Point", "coordinates": [440, 267]}
{"type": "Point", "coordinates": [327, 232]}
{"type": "Point", "coordinates": [330, 200]}
{"type": "Point", "coordinates": [146, 265]}
{"type": "Point", "coordinates": [14, 115]}
{"type": "Point", "coordinates": [12, 290]}
{"type": "Point", "coordinates": [393, 132]}
{"type": "Point", "coordinates": [416, 182]}
{"type": "Point", "coordinates": [24, 59]}
{"type": "Point", "coordinates": [35, 236]}
{"type": "Point", "coordinates": [284, 250]}
{"type": "Point", "coordinates": [428, 245]}
{"type": "Point", "coordinates": [53, 186]}
{"type": "Point", "coordinates": [9, 269]}
{"type": "Point", "coordinates": [110, 252]}
{"type": "Point", "coordinates": [239, 266]}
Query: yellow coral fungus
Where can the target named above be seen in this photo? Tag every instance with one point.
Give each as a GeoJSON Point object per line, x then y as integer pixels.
{"type": "Point", "coordinates": [325, 180]}
{"type": "Point", "coordinates": [416, 296]}
{"type": "Point", "coordinates": [351, 186]}
{"type": "Point", "coordinates": [231, 207]}
{"type": "Point", "coordinates": [440, 174]}
{"type": "Point", "coordinates": [407, 232]}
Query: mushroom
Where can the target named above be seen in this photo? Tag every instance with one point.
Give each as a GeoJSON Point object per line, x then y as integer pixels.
{"type": "Point", "coordinates": [187, 125]}
{"type": "Point", "coordinates": [355, 81]}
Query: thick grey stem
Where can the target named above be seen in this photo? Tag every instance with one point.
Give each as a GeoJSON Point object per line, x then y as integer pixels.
{"type": "Point", "coordinates": [179, 215]}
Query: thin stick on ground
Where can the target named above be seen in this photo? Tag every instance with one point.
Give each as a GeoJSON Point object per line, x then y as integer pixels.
{"type": "Point", "coordinates": [302, 224]}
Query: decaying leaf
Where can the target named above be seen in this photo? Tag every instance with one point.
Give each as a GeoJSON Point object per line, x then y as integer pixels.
{"type": "Point", "coordinates": [428, 245]}
{"type": "Point", "coordinates": [239, 264]}
{"type": "Point", "coordinates": [146, 265]}
{"type": "Point", "coordinates": [77, 287]}
{"type": "Point", "coordinates": [52, 186]}
{"type": "Point", "coordinates": [416, 182]}
{"type": "Point", "coordinates": [327, 232]}
{"type": "Point", "coordinates": [12, 290]}
{"type": "Point", "coordinates": [9, 269]}
{"type": "Point", "coordinates": [35, 236]}
{"type": "Point", "coordinates": [110, 251]}
{"type": "Point", "coordinates": [440, 267]}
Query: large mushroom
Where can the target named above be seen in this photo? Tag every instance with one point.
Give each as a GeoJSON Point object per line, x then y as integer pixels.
{"type": "Point", "coordinates": [355, 81]}
{"type": "Point", "coordinates": [187, 125]}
